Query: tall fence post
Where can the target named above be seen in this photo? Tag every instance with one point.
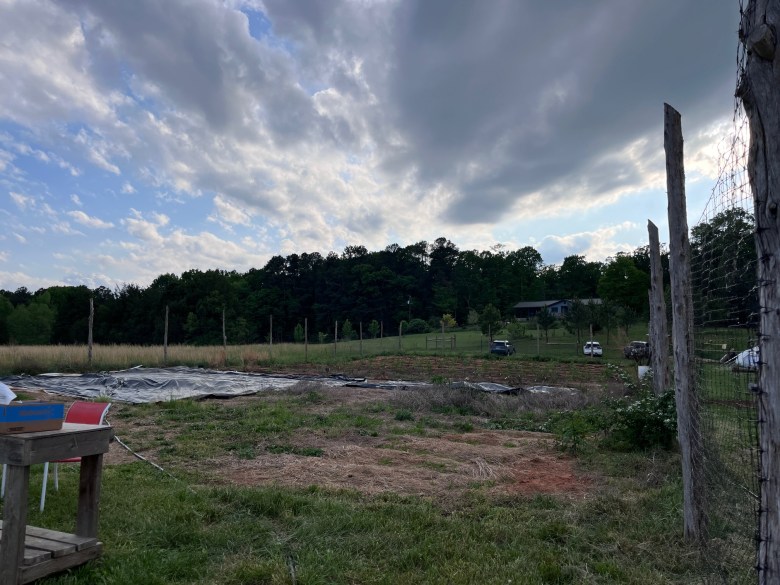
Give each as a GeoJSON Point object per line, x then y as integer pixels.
{"type": "Point", "coordinates": [659, 329]}
{"type": "Point", "coordinates": [91, 323]}
{"type": "Point", "coordinates": [224, 335]}
{"type": "Point", "coordinates": [270, 336]}
{"type": "Point", "coordinates": [758, 90]}
{"type": "Point", "coordinates": [335, 337]}
{"type": "Point", "coordinates": [165, 338]}
{"type": "Point", "coordinates": [361, 339]}
{"type": "Point", "coordinates": [306, 339]}
{"type": "Point", "coordinates": [688, 416]}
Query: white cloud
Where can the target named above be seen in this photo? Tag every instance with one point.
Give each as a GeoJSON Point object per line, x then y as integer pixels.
{"type": "Point", "coordinates": [48, 210]}
{"type": "Point", "coordinates": [93, 222]}
{"type": "Point", "coordinates": [595, 245]}
{"type": "Point", "coordinates": [11, 280]}
{"type": "Point", "coordinates": [5, 159]}
{"type": "Point", "coordinates": [20, 238]}
{"type": "Point", "coordinates": [230, 213]}
{"type": "Point", "coordinates": [64, 228]}
{"type": "Point", "coordinates": [23, 202]}
{"type": "Point", "coordinates": [128, 188]}
{"type": "Point", "coordinates": [76, 200]}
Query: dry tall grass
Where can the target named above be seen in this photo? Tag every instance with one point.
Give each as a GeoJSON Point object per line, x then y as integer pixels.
{"type": "Point", "coordinates": [33, 359]}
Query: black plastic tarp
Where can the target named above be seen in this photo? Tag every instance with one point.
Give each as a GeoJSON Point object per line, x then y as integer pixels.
{"type": "Point", "coordinates": [140, 385]}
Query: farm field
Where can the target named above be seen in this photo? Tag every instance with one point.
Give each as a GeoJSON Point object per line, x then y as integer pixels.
{"type": "Point", "coordinates": [351, 485]}
{"type": "Point", "coordinates": [559, 346]}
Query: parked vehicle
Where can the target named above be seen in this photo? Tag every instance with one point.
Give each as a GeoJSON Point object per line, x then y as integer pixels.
{"type": "Point", "coordinates": [637, 350]}
{"type": "Point", "coordinates": [501, 347]}
{"type": "Point", "coordinates": [593, 349]}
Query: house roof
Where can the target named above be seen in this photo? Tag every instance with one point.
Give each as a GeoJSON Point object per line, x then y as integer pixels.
{"type": "Point", "coordinates": [543, 304]}
{"type": "Point", "coordinates": [535, 304]}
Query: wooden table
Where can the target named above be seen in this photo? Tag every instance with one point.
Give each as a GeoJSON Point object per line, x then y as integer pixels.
{"type": "Point", "coordinates": [28, 553]}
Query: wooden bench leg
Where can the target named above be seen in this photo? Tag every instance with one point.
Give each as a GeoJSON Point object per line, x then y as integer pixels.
{"type": "Point", "coordinates": [89, 495]}
{"type": "Point", "coordinates": [14, 523]}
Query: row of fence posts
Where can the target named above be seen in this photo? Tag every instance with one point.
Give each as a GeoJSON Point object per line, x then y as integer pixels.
{"type": "Point", "coordinates": [452, 339]}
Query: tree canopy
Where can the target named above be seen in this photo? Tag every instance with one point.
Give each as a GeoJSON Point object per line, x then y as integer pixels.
{"type": "Point", "coordinates": [421, 281]}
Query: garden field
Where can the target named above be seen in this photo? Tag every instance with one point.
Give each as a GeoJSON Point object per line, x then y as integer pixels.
{"type": "Point", "coordinates": [318, 485]}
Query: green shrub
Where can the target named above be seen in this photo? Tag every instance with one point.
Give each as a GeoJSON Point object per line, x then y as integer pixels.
{"type": "Point", "coordinates": [645, 422]}
{"type": "Point", "coordinates": [640, 423]}
{"type": "Point", "coordinates": [416, 326]}
{"type": "Point", "coordinates": [572, 428]}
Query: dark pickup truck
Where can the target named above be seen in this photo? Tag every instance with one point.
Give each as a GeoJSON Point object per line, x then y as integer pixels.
{"type": "Point", "coordinates": [637, 350]}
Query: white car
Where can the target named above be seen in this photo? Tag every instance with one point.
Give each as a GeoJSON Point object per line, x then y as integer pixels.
{"type": "Point", "coordinates": [593, 348]}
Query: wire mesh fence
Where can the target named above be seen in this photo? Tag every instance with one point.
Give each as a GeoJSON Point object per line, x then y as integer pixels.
{"type": "Point", "coordinates": [725, 300]}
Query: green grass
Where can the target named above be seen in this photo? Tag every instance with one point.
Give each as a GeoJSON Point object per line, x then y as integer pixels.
{"type": "Point", "coordinates": [187, 526]}
{"type": "Point", "coordinates": [163, 532]}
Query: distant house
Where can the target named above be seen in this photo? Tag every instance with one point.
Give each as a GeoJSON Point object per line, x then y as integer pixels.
{"type": "Point", "coordinates": [529, 309]}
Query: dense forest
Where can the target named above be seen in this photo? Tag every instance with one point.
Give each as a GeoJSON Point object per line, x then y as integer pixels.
{"type": "Point", "coordinates": [422, 281]}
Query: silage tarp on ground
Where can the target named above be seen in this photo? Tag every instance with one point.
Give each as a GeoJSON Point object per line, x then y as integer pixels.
{"type": "Point", "coordinates": [139, 385]}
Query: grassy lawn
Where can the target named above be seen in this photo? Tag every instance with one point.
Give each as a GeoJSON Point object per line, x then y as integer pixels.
{"type": "Point", "coordinates": [316, 485]}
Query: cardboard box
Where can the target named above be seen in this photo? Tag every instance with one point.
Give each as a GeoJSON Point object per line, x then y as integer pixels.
{"type": "Point", "coordinates": [30, 417]}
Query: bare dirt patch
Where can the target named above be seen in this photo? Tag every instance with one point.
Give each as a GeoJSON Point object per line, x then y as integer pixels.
{"type": "Point", "coordinates": [439, 464]}
{"type": "Point", "coordinates": [439, 467]}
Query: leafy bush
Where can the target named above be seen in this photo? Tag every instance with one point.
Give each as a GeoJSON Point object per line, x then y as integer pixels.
{"type": "Point", "coordinates": [643, 421]}
{"type": "Point", "coordinates": [646, 422]}
{"type": "Point", "coordinates": [347, 331]}
{"type": "Point", "coordinates": [516, 331]}
{"type": "Point", "coordinates": [416, 326]}
{"type": "Point", "coordinates": [573, 428]}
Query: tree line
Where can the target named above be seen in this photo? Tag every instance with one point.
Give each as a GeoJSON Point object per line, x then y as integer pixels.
{"type": "Point", "coordinates": [422, 281]}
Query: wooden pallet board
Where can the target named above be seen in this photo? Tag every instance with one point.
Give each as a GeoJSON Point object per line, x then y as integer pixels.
{"type": "Point", "coordinates": [50, 551]}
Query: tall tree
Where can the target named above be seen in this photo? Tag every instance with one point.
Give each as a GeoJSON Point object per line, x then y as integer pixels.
{"type": "Point", "coordinates": [624, 284]}
{"type": "Point", "coordinates": [578, 279]}
{"type": "Point", "coordinates": [546, 321]}
{"type": "Point", "coordinates": [490, 321]}
{"type": "Point", "coordinates": [723, 268]}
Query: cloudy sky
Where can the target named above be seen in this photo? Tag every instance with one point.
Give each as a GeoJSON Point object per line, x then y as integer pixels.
{"type": "Point", "coordinates": [144, 137]}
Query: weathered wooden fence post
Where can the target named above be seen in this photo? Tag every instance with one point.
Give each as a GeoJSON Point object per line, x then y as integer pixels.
{"type": "Point", "coordinates": [224, 336]}
{"type": "Point", "coordinates": [688, 417]}
{"type": "Point", "coordinates": [165, 338]}
{"type": "Point", "coordinates": [759, 91]}
{"type": "Point", "coordinates": [89, 335]}
{"type": "Point", "coordinates": [659, 329]}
